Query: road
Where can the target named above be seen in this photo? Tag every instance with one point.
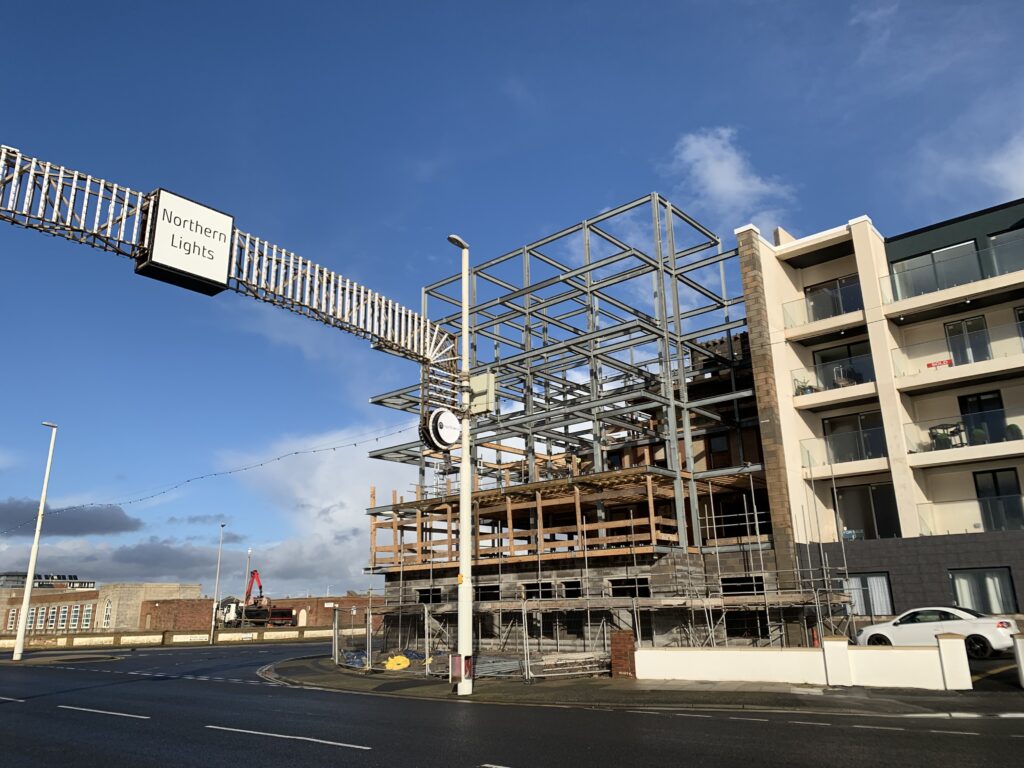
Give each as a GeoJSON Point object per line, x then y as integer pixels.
{"type": "Point", "coordinates": [208, 706]}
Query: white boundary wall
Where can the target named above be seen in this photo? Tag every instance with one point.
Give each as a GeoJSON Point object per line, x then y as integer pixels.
{"type": "Point", "coordinates": [939, 667]}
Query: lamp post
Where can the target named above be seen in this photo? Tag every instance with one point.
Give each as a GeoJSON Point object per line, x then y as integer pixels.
{"type": "Point", "coordinates": [30, 575]}
{"type": "Point", "coordinates": [216, 586]}
{"type": "Point", "coordinates": [241, 614]}
{"type": "Point", "coordinates": [465, 589]}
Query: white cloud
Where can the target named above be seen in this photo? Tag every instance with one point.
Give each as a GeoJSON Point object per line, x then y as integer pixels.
{"type": "Point", "coordinates": [715, 178]}
{"type": "Point", "coordinates": [7, 460]}
{"type": "Point", "coordinates": [978, 158]}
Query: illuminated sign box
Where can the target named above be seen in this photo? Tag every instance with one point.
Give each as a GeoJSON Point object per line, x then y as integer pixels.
{"type": "Point", "coordinates": [189, 244]}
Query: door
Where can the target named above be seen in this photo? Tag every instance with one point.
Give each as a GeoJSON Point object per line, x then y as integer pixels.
{"type": "Point", "coordinates": [968, 341]}
{"type": "Point", "coordinates": [983, 417]}
{"type": "Point", "coordinates": [999, 499]}
{"type": "Point", "coordinates": [855, 437]}
{"type": "Point", "coordinates": [920, 627]}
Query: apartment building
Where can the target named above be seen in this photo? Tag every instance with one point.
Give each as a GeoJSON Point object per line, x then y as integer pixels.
{"type": "Point", "coordinates": [898, 393]}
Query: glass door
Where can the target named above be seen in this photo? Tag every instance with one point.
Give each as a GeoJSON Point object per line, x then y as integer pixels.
{"type": "Point", "coordinates": [968, 341]}
{"type": "Point", "coordinates": [983, 416]}
{"type": "Point", "coordinates": [999, 498]}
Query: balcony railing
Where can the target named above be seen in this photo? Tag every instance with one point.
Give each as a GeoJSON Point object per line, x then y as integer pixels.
{"type": "Point", "coordinates": [822, 304]}
{"type": "Point", "coordinates": [996, 513]}
{"type": "Point", "coordinates": [956, 270]}
{"type": "Point", "coordinates": [995, 426]}
{"type": "Point", "coordinates": [842, 447]}
{"type": "Point", "coordinates": [833, 375]}
{"type": "Point", "coordinates": [999, 341]}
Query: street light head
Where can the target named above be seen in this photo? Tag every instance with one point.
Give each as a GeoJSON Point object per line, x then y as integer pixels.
{"type": "Point", "coordinates": [49, 424]}
{"type": "Point", "coordinates": [223, 524]}
{"type": "Point", "coordinates": [458, 242]}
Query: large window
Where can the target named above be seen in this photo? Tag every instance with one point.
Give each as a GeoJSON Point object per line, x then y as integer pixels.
{"type": "Point", "coordinates": [63, 623]}
{"type": "Point", "coordinates": [968, 340]}
{"type": "Point", "coordinates": [943, 268]}
{"type": "Point", "coordinates": [51, 619]}
{"type": "Point", "coordinates": [999, 497]}
{"type": "Point", "coordinates": [76, 611]}
{"type": "Point", "coordinates": [835, 297]}
{"type": "Point", "coordinates": [870, 594]}
{"type": "Point", "coordinates": [867, 511]}
{"type": "Point", "coordinates": [12, 617]}
{"type": "Point", "coordinates": [983, 416]}
{"type": "Point", "coordinates": [844, 365]}
{"type": "Point", "coordinates": [988, 590]}
{"type": "Point", "coordinates": [87, 617]}
{"type": "Point", "coordinates": [855, 437]}
{"type": "Point", "coordinates": [1008, 251]}
{"type": "Point", "coordinates": [41, 618]}
{"type": "Point", "coordinates": [638, 587]}
{"type": "Point", "coordinates": [31, 618]}
{"type": "Point", "coordinates": [106, 615]}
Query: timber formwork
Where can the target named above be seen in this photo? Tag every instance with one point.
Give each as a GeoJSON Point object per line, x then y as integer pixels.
{"type": "Point", "coordinates": [622, 459]}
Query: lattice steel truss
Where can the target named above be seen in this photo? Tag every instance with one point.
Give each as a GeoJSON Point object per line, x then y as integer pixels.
{"type": "Point", "coordinates": [86, 209]}
{"type": "Point", "coordinates": [627, 329]}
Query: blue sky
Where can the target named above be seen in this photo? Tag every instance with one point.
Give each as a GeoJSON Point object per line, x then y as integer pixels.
{"type": "Point", "coordinates": [360, 135]}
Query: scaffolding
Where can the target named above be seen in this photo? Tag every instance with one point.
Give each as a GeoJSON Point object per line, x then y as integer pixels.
{"type": "Point", "coordinates": [620, 474]}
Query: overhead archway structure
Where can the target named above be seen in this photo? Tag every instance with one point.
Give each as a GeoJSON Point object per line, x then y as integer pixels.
{"type": "Point", "coordinates": [179, 241]}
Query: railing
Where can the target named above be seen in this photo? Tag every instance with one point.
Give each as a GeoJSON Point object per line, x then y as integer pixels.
{"type": "Point", "coordinates": [843, 447]}
{"type": "Point", "coordinates": [996, 513]}
{"type": "Point", "coordinates": [833, 375]}
{"type": "Point", "coordinates": [957, 270]}
{"type": "Point", "coordinates": [999, 341]}
{"type": "Point", "coordinates": [962, 430]}
{"type": "Point", "coordinates": [821, 304]}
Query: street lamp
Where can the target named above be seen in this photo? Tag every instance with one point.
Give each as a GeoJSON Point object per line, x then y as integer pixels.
{"type": "Point", "coordinates": [465, 588]}
{"type": "Point", "coordinates": [216, 586]}
{"type": "Point", "coordinates": [248, 561]}
{"type": "Point", "coordinates": [30, 575]}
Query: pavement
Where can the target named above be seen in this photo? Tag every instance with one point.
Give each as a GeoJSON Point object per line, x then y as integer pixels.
{"type": "Point", "coordinates": [620, 693]}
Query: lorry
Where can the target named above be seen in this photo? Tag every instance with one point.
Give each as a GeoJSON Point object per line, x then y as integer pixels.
{"type": "Point", "coordinates": [257, 611]}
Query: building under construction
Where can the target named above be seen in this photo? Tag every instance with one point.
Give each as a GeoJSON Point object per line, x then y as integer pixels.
{"type": "Point", "coordinates": [619, 480]}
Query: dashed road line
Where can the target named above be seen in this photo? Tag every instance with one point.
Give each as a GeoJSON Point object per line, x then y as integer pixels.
{"type": "Point", "coordinates": [752, 719]}
{"type": "Point", "coordinates": [8, 698]}
{"type": "Point", "coordinates": [287, 736]}
{"type": "Point", "coordinates": [103, 712]}
{"type": "Point", "coordinates": [811, 722]}
{"type": "Point", "coordinates": [492, 765]}
{"type": "Point", "coordinates": [957, 733]}
{"type": "Point", "coordinates": [687, 714]}
{"type": "Point", "coordinates": [878, 727]}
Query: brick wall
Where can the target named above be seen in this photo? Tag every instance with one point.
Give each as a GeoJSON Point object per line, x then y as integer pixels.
{"type": "Point", "coordinates": [623, 647]}
{"type": "Point", "coordinates": [175, 614]}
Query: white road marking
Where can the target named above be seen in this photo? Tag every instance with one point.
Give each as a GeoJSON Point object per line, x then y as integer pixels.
{"type": "Point", "coordinates": [957, 733]}
{"type": "Point", "coordinates": [1010, 714]}
{"type": "Point", "coordinates": [964, 715]}
{"type": "Point", "coordinates": [286, 736]}
{"type": "Point", "coordinates": [492, 765]}
{"type": "Point", "coordinates": [809, 722]}
{"type": "Point", "coordinates": [878, 727]}
{"type": "Point", "coordinates": [103, 712]}
{"type": "Point", "coordinates": [752, 719]}
{"type": "Point", "coordinates": [7, 698]}
{"type": "Point", "coordinates": [683, 714]}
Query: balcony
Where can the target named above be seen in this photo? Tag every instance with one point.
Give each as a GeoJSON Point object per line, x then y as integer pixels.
{"type": "Point", "coordinates": [845, 453]}
{"type": "Point", "coordinates": [823, 303]}
{"type": "Point", "coordinates": [984, 353]}
{"type": "Point", "coordinates": [994, 434]}
{"type": "Point", "coordinates": [838, 381]}
{"type": "Point", "coordinates": [996, 513]}
{"type": "Point", "coordinates": [927, 282]}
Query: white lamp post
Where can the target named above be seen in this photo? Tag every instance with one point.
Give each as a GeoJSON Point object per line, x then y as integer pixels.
{"type": "Point", "coordinates": [465, 589]}
{"type": "Point", "coordinates": [216, 586]}
{"type": "Point", "coordinates": [30, 575]}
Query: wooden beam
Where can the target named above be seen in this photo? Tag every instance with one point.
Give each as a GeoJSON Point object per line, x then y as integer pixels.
{"type": "Point", "coordinates": [650, 510]}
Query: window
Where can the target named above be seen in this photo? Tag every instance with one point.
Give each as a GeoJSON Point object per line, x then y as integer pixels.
{"type": "Point", "coordinates": [106, 614]}
{"type": "Point", "coordinates": [855, 437]}
{"type": "Point", "coordinates": [1002, 508]}
{"type": "Point", "coordinates": [613, 460]}
{"type": "Point", "coordinates": [87, 617]}
{"type": "Point", "coordinates": [75, 613]}
{"type": "Point", "coordinates": [867, 511]}
{"type": "Point", "coordinates": [870, 594]}
{"type": "Point", "coordinates": [1008, 251]}
{"type": "Point", "coordinates": [742, 585]}
{"type": "Point", "coordinates": [484, 592]}
{"type": "Point", "coordinates": [834, 297]}
{"type": "Point", "coordinates": [926, 617]}
{"type": "Point", "coordinates": [635, 587]}
{"type": "Point", "coordinates": [544, 590]}
{"type": "Point", "coordinates": [31, 618]}
{"type": "Point", "coordinates": [12, 617]}
{"type": "Point", "coordinates": [51, 620]}
{"type": "Point", "coordinates": [749, 625]}
{"type": "Point", "coordinates": [943, 268]}
{"type": "Point", "coordinates": [428, 595]}
{"type": "Point", "coordinates": [63, 623]}
{"type": "Point", "coordinates": [988, 590]}
{"type": "Point", "coordinates": [983, 416]}
{"type": "Point", "coordinates": [718, 450]}
{"type": "Point", "coordinates": [844, 365]}
{"type": "Point", "coordinates": [572, 589]}
{"type": "Point", "coordinates": [968, 340]}
{"type": "Point", "coordinates": [41, 618]}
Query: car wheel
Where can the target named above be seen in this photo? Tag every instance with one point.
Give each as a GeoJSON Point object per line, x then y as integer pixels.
{"type": "Point", "coordinates": [879, 640]}
{"type": "Point", "coordinates": [978, 647]}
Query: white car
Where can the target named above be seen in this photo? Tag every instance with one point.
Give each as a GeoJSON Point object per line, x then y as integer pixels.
{"type": "Point", "coordinates": [984, 635]}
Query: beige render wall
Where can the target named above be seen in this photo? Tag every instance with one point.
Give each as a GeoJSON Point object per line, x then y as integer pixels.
{"type": "Point", "coordinates": [126, 600]}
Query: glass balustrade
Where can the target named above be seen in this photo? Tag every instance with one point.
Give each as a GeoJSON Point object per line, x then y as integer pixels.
{"type": "Point", "coordinates": [999, 341]}
{"type": "Point", "coordinates": [844, 372]}
{"type": "Point", "coordinates": [995, 513]}
{"type": "Point", "coordinates": [964, 429]}
{"type": "Point", "coordinates": [823, 302]}
{"type": "Point", "coordinates": [841, 447]}
{"type": "Point", "coordinates": [934, 272]}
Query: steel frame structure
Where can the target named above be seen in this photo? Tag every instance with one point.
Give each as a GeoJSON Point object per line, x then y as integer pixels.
{"type": "Point", "coordinates": [596, 335]}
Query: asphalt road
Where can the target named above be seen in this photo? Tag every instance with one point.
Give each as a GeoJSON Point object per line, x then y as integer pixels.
{"type": "Point", "coordinates": [204, 706]}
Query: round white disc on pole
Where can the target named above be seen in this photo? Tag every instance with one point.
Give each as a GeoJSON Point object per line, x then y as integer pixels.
{"type": "Point", "coordinates": [443, 430]}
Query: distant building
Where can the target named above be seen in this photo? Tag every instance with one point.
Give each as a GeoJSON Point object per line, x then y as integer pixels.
{"type": "Point", "coordinates": [16, 580]}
